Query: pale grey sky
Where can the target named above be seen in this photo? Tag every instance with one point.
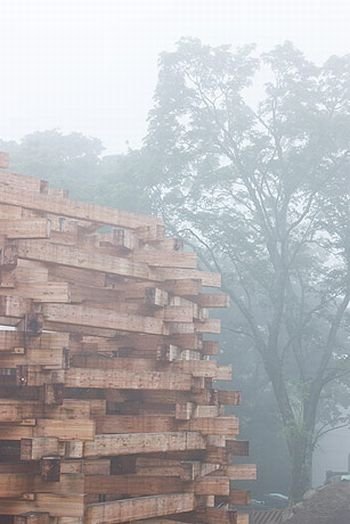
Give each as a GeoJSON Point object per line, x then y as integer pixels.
{"type": "Point", "coordinates": [90, 65]}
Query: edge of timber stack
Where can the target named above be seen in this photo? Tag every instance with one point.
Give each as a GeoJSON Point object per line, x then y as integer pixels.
{"type": "Point", "coordinates": [108, 411]}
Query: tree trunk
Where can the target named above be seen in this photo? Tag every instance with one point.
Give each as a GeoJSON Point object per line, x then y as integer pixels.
{"type": "Point", "coordinates": [301, 452]}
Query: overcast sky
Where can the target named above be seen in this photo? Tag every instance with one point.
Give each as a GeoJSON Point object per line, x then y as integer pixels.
{"type": "Point", "coordinates": [91, 65]}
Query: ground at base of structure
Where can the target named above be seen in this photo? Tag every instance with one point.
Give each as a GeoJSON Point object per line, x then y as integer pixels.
{"type": "Point", "coordinates": [329, 504]}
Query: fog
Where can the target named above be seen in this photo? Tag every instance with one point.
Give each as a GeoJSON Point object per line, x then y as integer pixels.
{"type": "Point", "coordinates": [91, 65]}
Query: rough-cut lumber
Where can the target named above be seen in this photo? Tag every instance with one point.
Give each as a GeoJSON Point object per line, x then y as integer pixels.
{"type": "Point", "coordinates": [32, 518]}
{"type": "Point", "coordinates": [213, 426]}
{"type": "Point", "coordinates": [56, 505]}
{"type": "Point", "coordinates": [77, 258]}
{"type": "Point", "coordinates": [206, 278]}
{"type": "Point", "coordinates": [96, 378]}
{"type": "Point", "coordinates": [108, 407]}
{"type": "Point", "coordinates": [131, 485]}
{"type": "Point", "coordinates": [12, 229]}
{"type": "Point", "coordinates": [144, 507]}
{"type": "Point", "coordinates": [82, 429]}
{"type": "Point", "coordinates": [241, 471]}
{"type": "Point", "coordinates": [78, 210]}
{"type": "Point", "coordinates": [92, 317]}
{"type": "Point", "coordinates": [213, 300]}
{"type": "Point", "coordinates": [157, 258]}
{"type": "Point", "coordinates": [130, 443]}
{"type": "Point", "coordinates": [132, 424]}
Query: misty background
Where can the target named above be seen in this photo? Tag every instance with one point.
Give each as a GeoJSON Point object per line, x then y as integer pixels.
{"type": "Point", "coordinates": [90, 66]}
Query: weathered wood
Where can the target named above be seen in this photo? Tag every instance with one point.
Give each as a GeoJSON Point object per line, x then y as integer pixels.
{"type": "Point", "coordinates": [213, 300]}
{"type": "Point", "coordinates": [4, 160]}
{"type": "Point", "coordinates": [13, 229]}
{"type": "Point", "coordinates": [87, 316]}
{"type": "Point", "coordinates": [241, 471]}
{"type": "Point", "coordinates": [68, 208]}
{"type": "Point", "coordinates": [213, 426]}
{"type": "Point", "coordinates": [158, 258]}
{"type": "Point", "coordinates": [50, 469]}
{"type": "Point", "coordinates": [48, 292]}
{"type": "Point", "coordinates": [13, 485]}
{"type": "Point", "coordinates": [217, 516]}
{"type": "Point", "coordinates": [139, 508]}
{"type": "Point", "coordinates": [207, 279]}
{"type": "Point", "coordinates": [23, 183]}
{"type": "Point", "coordinates": [15, 307]}
{"type": "Point", "coordinates": [212, 486]}
{"type": "Point", "coordinates": [48, 345]}
{"type": "Point", "coordinates": [130, 443]}
{"type": "Point", "coordinates": [189, 288]}
{"type": "Point", "coordinates": [81, 429]}
{"type": "Point", "coordinates": [132, 485]}
{"type": "Point", "coordinates": [132, 424]}
{"type": "Point", "coordinates": [38, 447]}
{"type": "Point", "coordinates": [230, 398]}
{"type": "Point", "coordinates": [115, 379]}
{"type": "Point", "coordinates": [237, 497]}
{"type": "Point", "coordinates": [76, 258]}
{"type": "Point", "coordinates": [56, 505]}
{"type": "Point", "coordinates": [32, 518]}
{"type": "Point", "coordinates": [105, 390]}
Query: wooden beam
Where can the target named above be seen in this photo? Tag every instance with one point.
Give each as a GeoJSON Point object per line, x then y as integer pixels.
{"type": "Point", "coordinates": [213, 300]}
{"type": "Point", "coordinates": [67, 505]}
{"type": "Point", "coordinates": [212, 426]}
{"type": "Point", "coordinates": [208, 485]}
{"type": "Point", "coordinates": [207, 279]}
{"type": "Point", "coordinates": [74, 257]}
{"type": "Point", "coordinates": [241, 471]}
{"type": "Point", "coordinates": [134, 424]}
{"type": "Point", "coordinates": [36, 228]}
{"type": "Point", "coordinates": [161, 258]}
{"type": "Point", "coordinates": [38, 447]}
{"type": "Point", "coordinates": [22, 182]}
{"type": "Point", "coordinates": [78, 210]}
{"type": "Point", "coordinates": [237, 497]}
{"type": "Point", "coordinates": [13, 485]}
{"type": "Point", "coordinates": [79, 429]}
{"type": "Point", "coordinates": [15, 307]}
{"type": "Point", "coordinates": [188, 288]}
{"type": "Point", "coordinates": [91, 317]}
{"type": "Point", "coordinates": [132, 485]}
{"type": "Point", "coordinates": [217, 516]}
{"type": "Point", "coordinates": [230, 398]}
{"type": "Point", "coordinates": [32, 518]}
{"type": "Point", "coordinates": [46, 292]}
{"type": "Point", "coordinates": [4, 160]}
{"type": "Point", "coordinates": [115, 379]}
{"type": "Point", "coordinates": [130, 443]}
{"type": "Point", "coordinates": [127, 510]}
{"type": "Point", "coordinates": [210, 347]}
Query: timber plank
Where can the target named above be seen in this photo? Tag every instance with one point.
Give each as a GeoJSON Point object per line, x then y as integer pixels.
{"type": "Point", "coordinates": [64, 207]}
{"type": "Point", "coordinates": [115, 379]}
{"type": "Point", "coordinates": [91, 317]}
{"type": "Point", "coordinates": [77, 258]}
{"type": "Point", "coordinates": [130, 443]}
{"type": "Point", "coordinates": [132, 485]}
{"type": "Point", "coordinates": [139, 508]}
{"type": "Point", "coordinates": [36, 228]}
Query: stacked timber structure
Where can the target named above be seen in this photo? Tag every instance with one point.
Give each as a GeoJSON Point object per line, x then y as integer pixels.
{"type": "Point", "coordinates": [108, 412]}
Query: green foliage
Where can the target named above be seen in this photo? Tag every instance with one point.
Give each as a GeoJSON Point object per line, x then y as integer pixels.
{"type": "Point", "coordinates": [75, 162]}
{"type": "Point", "coordinates": [264, 194]}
